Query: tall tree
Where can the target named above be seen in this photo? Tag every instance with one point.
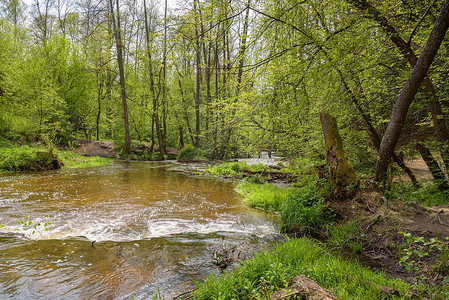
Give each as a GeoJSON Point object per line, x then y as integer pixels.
{"type": "Point", "coordinates": [119, 47]}
{"type": "Point", "coordinates": [409, 91]}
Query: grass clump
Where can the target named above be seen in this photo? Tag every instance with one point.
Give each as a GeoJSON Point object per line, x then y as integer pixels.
{"type": "Point", "coordinates": [303, 211]}
{"type": "Point", "coordinates": [74, 160]}
{"type": "Point", "coordinates": [347, 235]}
{"type": "Point", "coordinates": [268, 272]}
{"type": "Point", "coordinates": [266, 197]}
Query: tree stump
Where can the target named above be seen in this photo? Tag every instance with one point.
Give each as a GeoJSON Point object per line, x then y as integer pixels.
{"type": "Point", "coordinates": [341, 172]}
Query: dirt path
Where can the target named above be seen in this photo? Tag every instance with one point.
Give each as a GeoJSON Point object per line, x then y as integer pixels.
{"type": "Point", "coordinates": [96, 148]}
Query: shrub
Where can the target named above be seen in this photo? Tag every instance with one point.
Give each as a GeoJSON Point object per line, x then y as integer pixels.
{"type": "Point", "coordinates": [188, 153]}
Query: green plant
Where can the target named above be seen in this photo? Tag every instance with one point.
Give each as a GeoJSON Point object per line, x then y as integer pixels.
{"type": "Point", "coordinates": [417, 247]}
{"type": "Point", "coordinates": [29, 228]}
{"type": "Point", "coordinates": [256, 179]}
{"type": "Point", "coordinates": [346, 235]}
{"type": "Point", "coordinates": [269, 271]}
{"type": "Point", "coordinates": [189, 153]}
{"type": "Point", "coordinates": [302, 211]}
{"type": "Point", "coordinates": [266, 197]}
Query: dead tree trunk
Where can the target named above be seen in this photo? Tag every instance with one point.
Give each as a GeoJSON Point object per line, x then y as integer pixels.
{"type": "Point", "coordinates": [341, 172]}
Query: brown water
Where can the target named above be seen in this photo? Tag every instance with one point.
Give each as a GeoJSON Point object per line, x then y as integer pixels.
{"type": "Point", "coordinates": [154, 230]}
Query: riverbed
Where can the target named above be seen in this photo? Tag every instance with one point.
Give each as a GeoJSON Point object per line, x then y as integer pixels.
{"type": "Point", "coordinates": [130, 229]}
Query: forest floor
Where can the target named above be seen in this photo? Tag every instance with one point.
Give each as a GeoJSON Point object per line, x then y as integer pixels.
{"type": "Point", "coordinates": [382, 221]}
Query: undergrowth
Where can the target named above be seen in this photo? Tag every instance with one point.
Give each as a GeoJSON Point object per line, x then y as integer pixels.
{"type": "Point", "coordinates": [428, 194]}
{"type": "Point", "coordinates": [189, 153]}
{"type": "Point", "coordinates": [268, 272]}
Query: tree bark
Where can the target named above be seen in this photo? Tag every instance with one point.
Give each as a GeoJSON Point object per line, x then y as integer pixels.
{"type": "Point", "coordinates": [341, 172]}
{"type": "Point", "coordinates": [409, 90]}
{"type": "Point", "coordinates": [118, 43]}
{"type": "Point", "coordinates": [434, 168]}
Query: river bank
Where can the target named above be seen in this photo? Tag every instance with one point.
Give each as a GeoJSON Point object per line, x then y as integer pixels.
{"type": "Point", "coordinates": [401, 233]}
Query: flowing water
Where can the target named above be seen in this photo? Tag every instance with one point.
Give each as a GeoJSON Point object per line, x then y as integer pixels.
{"type": "Point", "coordinates": [128, 230]}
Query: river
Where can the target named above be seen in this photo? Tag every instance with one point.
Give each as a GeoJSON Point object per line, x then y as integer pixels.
{"type": "Point", "coordinates": [126, 230]}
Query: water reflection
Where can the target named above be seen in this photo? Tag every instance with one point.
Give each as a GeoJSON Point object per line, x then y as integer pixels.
{"type": "Point", "coordinates": [153, 229]}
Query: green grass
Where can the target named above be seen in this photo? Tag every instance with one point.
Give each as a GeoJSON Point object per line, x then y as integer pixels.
{"type": "Point", "coordinates": [346, 235]}
{"type": "Point", "coordinates": [75, 160]}
{"type": "Point", "coordinates": [265, 197]}
{"type": "Point", "coordinates": [268, 272]}
{"type": "Point", "coordinates": [428, 194]}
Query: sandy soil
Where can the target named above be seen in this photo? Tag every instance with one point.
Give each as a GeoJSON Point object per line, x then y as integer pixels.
{"type": "Point", "coordinates": [95, 148]}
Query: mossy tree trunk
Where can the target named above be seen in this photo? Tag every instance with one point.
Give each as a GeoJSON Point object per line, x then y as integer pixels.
{"type": "Point", "coordinates": [341, 172]}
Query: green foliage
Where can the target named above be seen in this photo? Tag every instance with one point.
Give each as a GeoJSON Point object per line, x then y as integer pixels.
{"type": "Point", "coordinates": [26, 158]}
{"type": "Point", "coordinates": [428, 194]}
{"type": "Point", "coordinates": [256, 178]}
{"type": "Point", "coordinates": [228, 169]}
{"type": "Point", "coordinates": [30, 228]}
{"type": "Point", "coordinates": [271, 271]}
{"type": "Point", "coordinates": [266, 197]}
{"type": "Point", "coordinates": [190, 153]}
{"type": "Point", "coordinates": [417, 248]}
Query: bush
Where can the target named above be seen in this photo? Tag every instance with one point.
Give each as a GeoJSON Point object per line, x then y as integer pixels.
{"type": "Point", "coordinates": [189, 153]}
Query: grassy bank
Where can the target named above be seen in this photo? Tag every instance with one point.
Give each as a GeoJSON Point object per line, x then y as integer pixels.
{"type": "Point", "coordinates": [268, 272]}
{"type": "Point", "coordinates": [26, 158]}
{"type": "Point", "coordinates": [71, 159]}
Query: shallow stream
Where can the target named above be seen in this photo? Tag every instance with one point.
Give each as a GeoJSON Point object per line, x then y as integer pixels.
{"type": "Point", "coordinates": [127, 230]}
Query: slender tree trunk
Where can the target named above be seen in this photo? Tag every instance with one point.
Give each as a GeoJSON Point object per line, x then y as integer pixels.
{"type": "Point", "coordinates": [186, 114]}
{"type": "Point", "coordinates": [99, 98]}
{"type": "Point", "coordinates": [118, 43]}
{"type": "Point", "coordinates": [198, 76]}
{"type": "Point", "coordinates": [434, 168]}
{"type": "Point", "coordinates": [410, 89]}
{"type": "Point", "coordinates": [155, 116]}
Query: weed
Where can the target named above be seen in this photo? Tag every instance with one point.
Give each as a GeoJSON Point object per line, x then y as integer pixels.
{"type": "Point", "coordinates": [417, 247]}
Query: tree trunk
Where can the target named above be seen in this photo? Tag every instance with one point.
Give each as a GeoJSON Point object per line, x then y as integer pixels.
{"type": "Point", "coordinates": [198, 76]}
{"type": "Point", "coordinates": [118, 43]}
{"type": "Point", "coordinates": [410, 89]}
{"type": "Point", "coordinates": [441, 131]}
{"type": "Point", "coordinates": [434, 168]}
{"type": "Point", "coordinates": [341, 172]}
